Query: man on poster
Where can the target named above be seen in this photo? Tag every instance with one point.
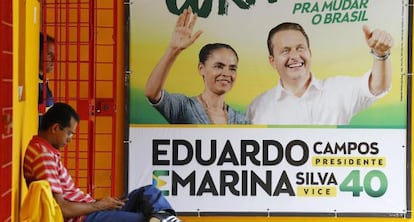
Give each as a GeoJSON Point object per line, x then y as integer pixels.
{"type": "Point", "coordinates": [301, 99]}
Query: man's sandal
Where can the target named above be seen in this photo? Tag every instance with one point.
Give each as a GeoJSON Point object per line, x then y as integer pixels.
{"type": "Point", "coordinates": [163, 216]}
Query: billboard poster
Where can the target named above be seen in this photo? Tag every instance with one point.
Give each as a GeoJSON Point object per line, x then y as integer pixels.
{"type": "Point", "coordinates": [271, 107]}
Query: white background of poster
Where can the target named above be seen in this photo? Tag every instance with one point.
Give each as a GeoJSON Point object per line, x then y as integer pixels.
{"type": "Point", "coordinates": [392, 147]}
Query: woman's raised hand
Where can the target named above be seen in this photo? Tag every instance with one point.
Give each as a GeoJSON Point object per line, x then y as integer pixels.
{"type": "Point", "coordinates": [183, 33]}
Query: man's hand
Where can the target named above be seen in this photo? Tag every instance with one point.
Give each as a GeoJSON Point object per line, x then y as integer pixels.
{"type": "Point", "coordinates": [379, 41]}
{"type": "Point", "coordinates": [75, 209]}
{"type": "Point", "coordinates": [109, 203]}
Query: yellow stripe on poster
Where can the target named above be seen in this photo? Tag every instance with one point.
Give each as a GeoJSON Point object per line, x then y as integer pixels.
{"type": "Point", "coordinates": [316, 191]}
{"type": "Point", "coordinates": [355, 161]}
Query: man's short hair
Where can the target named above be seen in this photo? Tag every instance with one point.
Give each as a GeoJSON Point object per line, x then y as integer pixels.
{"type": "Point", "coordinates": [283, 27]}
{"type": "Point", "coordinates": [60, 113]}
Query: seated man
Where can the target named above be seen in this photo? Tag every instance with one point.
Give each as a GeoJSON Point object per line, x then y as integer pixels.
{"type": "Point", "coordinates": [42, 162]}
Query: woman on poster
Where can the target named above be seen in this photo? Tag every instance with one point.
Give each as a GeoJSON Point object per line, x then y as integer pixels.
{"type": "Point", "coordinates": [218, 68]}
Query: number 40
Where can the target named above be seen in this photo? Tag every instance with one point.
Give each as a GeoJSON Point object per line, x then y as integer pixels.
{"type": "Point", "coordinates": [352, 183]}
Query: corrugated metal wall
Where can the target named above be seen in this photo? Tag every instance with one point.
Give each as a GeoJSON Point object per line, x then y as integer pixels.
{"type": "Point", "coordinates": [6, 129]}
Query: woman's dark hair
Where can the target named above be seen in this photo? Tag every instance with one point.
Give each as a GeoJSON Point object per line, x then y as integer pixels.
{"type": "Point", "coordinates": [206, 51]}
{"type": "Point", "coordinates": [282, 27]}
{"type": "Point", "coordinates": [60, 113]}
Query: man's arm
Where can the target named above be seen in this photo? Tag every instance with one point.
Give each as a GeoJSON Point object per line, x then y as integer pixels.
{"type": "Point", "coordinates": [380, 43]}
{"type": "Point", "coordinates": [75, 209]}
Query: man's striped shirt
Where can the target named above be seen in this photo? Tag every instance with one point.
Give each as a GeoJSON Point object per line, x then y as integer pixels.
{"type": "Point", "coordinates": [43, 162]}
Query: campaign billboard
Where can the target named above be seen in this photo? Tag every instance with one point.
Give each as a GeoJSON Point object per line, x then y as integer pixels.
{"type": "Point", "coordinates": [333, 146]}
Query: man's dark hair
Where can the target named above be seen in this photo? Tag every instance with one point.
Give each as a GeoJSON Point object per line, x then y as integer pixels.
{"type": "Point", "coordinates": [42, 40]}
{"type": "Point", "coordinates": [206, 51]}
{"type": "Point", "coordinates": [60, 113]}
{"type": "Point", "coordinates": [283, 27]}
